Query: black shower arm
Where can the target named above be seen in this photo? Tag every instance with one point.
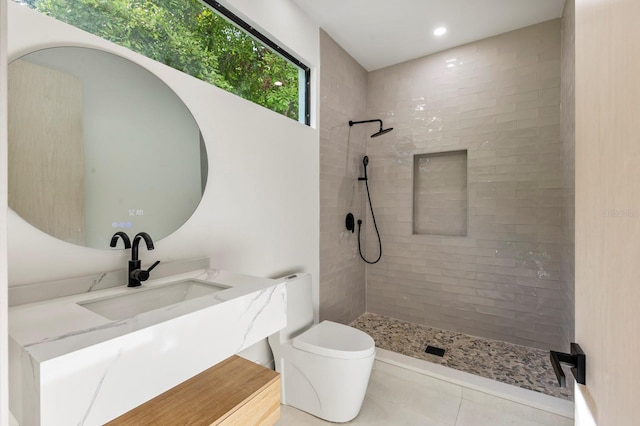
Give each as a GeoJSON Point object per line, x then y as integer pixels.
{"type": "Point", "coordinates": [351, 123]}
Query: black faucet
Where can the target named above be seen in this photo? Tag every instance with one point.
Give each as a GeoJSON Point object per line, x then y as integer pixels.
{"type": "Point", "coordinates": [125, 240]}
{"type": "Point", "coordinates": [136, 273]}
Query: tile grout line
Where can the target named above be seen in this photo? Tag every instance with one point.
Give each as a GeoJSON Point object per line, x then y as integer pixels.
{"type": "Point", "coordinates": [459, 406]}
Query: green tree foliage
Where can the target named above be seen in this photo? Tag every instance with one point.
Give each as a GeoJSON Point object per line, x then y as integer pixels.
{"type": "Point", "coordinates": [191, 37]}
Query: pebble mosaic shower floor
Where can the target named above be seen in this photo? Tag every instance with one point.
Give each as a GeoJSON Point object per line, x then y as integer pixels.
{"type": "Point", "coordinates": [528, 368]}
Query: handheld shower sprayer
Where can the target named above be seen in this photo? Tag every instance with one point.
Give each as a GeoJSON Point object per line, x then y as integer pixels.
{"type": "Point", "coordinates": [365, 162]}
{"type": "Point", "coordinates": [376, 134]}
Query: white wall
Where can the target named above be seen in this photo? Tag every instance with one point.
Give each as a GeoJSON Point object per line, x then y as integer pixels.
{"type": "Point", "coordinates": [259, 214]}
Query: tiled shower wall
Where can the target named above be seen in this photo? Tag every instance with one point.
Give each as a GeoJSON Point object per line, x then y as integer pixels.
{"type": "Point", "coordinates": [568, 135]}
{"type": "Point", "coordinates": [343, 93]}
{"type": "Point", "coordinates": [499, 99]}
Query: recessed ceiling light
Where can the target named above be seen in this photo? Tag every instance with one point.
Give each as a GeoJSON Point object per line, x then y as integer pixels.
{"type": "Point", "coordinates": [439, 31]}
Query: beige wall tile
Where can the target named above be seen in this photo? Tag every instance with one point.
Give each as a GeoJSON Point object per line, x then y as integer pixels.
{"type": "Point", "coordinates": [511, 277]}
{"type": "Point", "coordinates": [501, 103]}
{"type": "Point", "coordinates": [343, 85]}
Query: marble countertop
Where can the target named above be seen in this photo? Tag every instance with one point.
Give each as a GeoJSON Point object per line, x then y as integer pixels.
{"type": "Point", "coordinates": [51, 328]}
{"type": "Point", "coordinates": [69, 365]}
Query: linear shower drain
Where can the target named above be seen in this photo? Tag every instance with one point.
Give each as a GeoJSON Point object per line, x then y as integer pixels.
{"type": "Point", "coordinates": [433, 350]}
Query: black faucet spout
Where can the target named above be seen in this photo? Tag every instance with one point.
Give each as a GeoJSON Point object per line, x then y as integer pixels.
{"type": "Point", "coordinates": [136, 242]}
{"type": "Point", "coordinates": [125, 240]}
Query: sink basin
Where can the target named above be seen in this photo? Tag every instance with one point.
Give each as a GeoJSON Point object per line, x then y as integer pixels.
{"type": "Point", "coordinates": [140, 300]}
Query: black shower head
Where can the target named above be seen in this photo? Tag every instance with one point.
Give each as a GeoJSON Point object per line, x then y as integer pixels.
{"type": "Point", "coordinates": [376, 134]}
{"type": "Point", "coordinates": [381, 132]}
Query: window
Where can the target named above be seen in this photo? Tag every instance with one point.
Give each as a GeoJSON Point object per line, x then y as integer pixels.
{"type": "Point", "coordinates": [204, 40]}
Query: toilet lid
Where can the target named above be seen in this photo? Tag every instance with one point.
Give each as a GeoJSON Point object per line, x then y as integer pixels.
{"type": "Point", "coordinates": [336, 341]}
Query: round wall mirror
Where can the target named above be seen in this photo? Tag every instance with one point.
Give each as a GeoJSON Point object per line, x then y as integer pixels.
{"type": "Point", "coordinates": [98, 144]}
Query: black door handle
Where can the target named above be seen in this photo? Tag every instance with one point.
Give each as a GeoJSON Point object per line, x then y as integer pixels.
{"type": "Point", "coordinates": [576, 359]}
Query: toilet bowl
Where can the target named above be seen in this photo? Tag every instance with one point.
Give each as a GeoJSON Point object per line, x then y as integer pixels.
{"type": "Point", "coordinates": [325, 368]}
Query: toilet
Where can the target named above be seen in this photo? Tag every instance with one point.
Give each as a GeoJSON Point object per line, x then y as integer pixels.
{"type": "Point", "coordinates": [324, 367]}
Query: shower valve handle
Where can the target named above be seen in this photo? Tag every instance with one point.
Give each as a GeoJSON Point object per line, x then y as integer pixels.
{"type": "Point", "coordinates": [349, 223]}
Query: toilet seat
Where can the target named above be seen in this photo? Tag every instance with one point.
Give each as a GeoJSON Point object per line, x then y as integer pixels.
{"type": "Point", "coordinates": [335, 340]}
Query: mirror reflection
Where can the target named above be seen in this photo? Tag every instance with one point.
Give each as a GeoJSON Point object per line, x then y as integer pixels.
{"type": "Point", "coordinates": [98, 144]}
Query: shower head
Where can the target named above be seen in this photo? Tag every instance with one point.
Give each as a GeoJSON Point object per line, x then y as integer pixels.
{"type": "Point", "coordinates": [381, 132]}
{"type": "Point", "coordinates": [376, 134]}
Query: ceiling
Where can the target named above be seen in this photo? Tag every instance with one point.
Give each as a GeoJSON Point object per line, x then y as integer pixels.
{"type": "Point", "coordinates": [380, 33]}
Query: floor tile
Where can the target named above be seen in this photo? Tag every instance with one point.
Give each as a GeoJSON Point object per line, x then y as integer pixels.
{"type": "Point", "coordinates": [415, 397]}
{"type": "Point", "coordinates": [397, 396]}
{"type": "Point", "coordinates": [480, 409]}
{"type": "Point", "coordinates": [290, 416]}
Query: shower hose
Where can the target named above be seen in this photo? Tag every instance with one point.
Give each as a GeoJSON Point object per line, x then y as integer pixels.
{"type": "Point", "coordinates": [375, 225]}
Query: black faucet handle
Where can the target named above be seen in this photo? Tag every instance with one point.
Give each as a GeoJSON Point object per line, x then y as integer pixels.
{"type": "Point", "coordinates": [156, 263]}
{"type": "Point", "coordinates": [142, 274]}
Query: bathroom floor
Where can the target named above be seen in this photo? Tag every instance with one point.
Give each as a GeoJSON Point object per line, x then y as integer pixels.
{"type": "Point", "coordinates": [528, 368]}
{"type": "Point", "coordinates": [397, 396]}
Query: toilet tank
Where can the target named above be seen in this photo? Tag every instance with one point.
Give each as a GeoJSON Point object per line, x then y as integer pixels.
{"type": "Point", "coordinates": [299, 305]}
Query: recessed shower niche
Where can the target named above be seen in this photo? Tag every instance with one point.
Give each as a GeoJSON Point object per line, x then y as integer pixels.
{"type": "Point", "coordinates": [440, 193]}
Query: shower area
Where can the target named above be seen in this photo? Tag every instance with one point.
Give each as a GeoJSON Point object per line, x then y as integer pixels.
{"type": "Point", "coordinates": [472, 192]}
